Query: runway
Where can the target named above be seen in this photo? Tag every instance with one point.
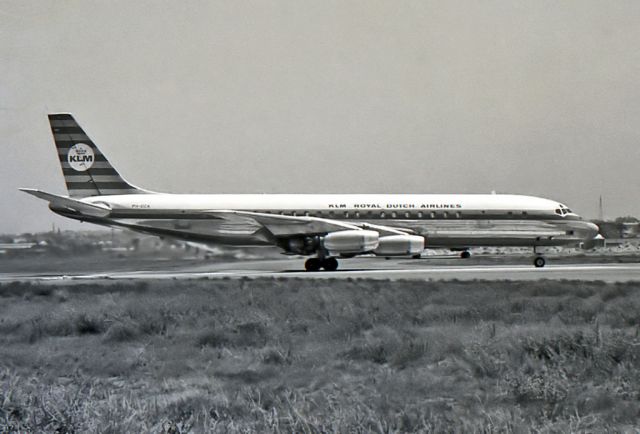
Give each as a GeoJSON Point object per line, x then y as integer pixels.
{"type": "Point", "coordinates": [359, 268]}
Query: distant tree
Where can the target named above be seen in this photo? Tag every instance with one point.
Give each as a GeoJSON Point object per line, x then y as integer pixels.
{"type": "Point", "coordinates": [627, 219]}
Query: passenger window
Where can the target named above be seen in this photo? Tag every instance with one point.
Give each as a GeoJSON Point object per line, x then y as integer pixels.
{"type": "Point", "coordinates": [407, 215]}
{"type": "Point", "coordinates": [381, 215]}
{"type": "Point", "coordinates": [458, 215]}
{"type": "Point", "coordinates": [432, 215]}
{"type": "Point", "coordinates": [419, 215]}
{"type": "Point", "coordinates": [357, 214]}
{"type": "Point", "coordinates": [393, 215]}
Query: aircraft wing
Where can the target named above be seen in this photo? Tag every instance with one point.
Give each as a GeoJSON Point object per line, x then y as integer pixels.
{"type": "Point", "coordinates": [56, 201]}
{"type": "Point", "coordinates": [286, 225]}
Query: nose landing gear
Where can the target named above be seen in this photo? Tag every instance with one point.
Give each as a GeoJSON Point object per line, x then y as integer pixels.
{"type": "Point", "coordinates": [539, 260]}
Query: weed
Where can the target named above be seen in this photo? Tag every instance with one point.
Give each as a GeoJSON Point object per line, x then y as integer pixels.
{"type": "Point", "coordinates": [121, 332]}
{"type": "Point", "coordinates": [213, 338]}
{"type": "Point", "coordinates": [88, 325]}
{"type": "Point", "coordinates": [324, 356]}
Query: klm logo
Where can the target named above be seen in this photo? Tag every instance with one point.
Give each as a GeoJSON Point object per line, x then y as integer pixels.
{"type": "Point", "coordinates": [80, 157]}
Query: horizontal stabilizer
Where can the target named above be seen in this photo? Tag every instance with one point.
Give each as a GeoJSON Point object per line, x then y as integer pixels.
{"type": "Point", "coordinates": [89, 209]}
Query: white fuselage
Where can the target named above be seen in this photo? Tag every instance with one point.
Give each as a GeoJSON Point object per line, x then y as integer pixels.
{"type": "Point", "coordinates": [445, 220]}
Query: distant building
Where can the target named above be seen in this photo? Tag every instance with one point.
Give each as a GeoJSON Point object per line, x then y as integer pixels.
{"type": "Point", "coordinates": [630, 229]}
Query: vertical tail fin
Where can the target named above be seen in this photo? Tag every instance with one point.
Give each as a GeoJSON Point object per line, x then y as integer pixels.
{"type": "Point", "coordinates": [87, 172]}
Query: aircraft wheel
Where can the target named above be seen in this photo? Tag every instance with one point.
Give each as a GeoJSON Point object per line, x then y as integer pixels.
{"type": "Point", "coordinates": [312, 264]}
{"type": "Point", "coordinates": [539, 262]}
{"type": "Point", "coordinates": [465, 254]}
{"type": "Point", "coordinates": [417, 256]}
{"type": "Point", "coordinates": [330, 264]}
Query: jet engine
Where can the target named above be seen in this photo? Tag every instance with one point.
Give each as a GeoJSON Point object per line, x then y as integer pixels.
{"type": "Point", "coordinates": [400, 245]}
{"type": "Point", "coordinates": [351, 241]}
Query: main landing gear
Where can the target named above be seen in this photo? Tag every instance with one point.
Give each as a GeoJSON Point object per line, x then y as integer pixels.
{"type": "Point", "coordinates": [465, 254]}
{"type": "Point", "coordinates": [315, 264]}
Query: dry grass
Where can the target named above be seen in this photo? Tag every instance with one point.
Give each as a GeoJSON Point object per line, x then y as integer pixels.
{"type": "Point", "coordinates": [314, 356]}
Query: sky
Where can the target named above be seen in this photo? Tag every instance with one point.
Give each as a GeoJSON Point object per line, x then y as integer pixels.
{"type": "Point", "coordinates": [529, 97]}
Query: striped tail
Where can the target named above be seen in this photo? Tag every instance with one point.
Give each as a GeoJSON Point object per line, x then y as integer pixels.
{"type": "Point", "coordinates": [86, 170]}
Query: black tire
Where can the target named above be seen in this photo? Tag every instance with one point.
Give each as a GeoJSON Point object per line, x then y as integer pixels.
{"type": "Point", "coordinates": [465, 255]}
{"type": "Point", "coordinates": [539, 262]}
{"type": "Point", "coordinates": [330, 264]}
{"type": "Point", "coordinates": [312, 264]}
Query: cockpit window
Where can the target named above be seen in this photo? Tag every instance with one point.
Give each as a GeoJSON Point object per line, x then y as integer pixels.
{"type": "Point", "coordinates": [558, 211]}
{"type": "Point", "coordinates": [564, 209]}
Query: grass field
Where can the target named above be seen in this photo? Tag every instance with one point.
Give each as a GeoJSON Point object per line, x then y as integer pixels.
{"type": "Point", "coordinates": [320, 356]}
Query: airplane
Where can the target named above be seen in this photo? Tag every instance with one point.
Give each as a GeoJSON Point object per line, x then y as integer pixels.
{"type": "Point", "coordinates": [323, 227]}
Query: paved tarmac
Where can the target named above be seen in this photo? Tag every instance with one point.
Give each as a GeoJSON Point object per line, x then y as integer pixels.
{"type": "Point", "coordinates": [361, 268]}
